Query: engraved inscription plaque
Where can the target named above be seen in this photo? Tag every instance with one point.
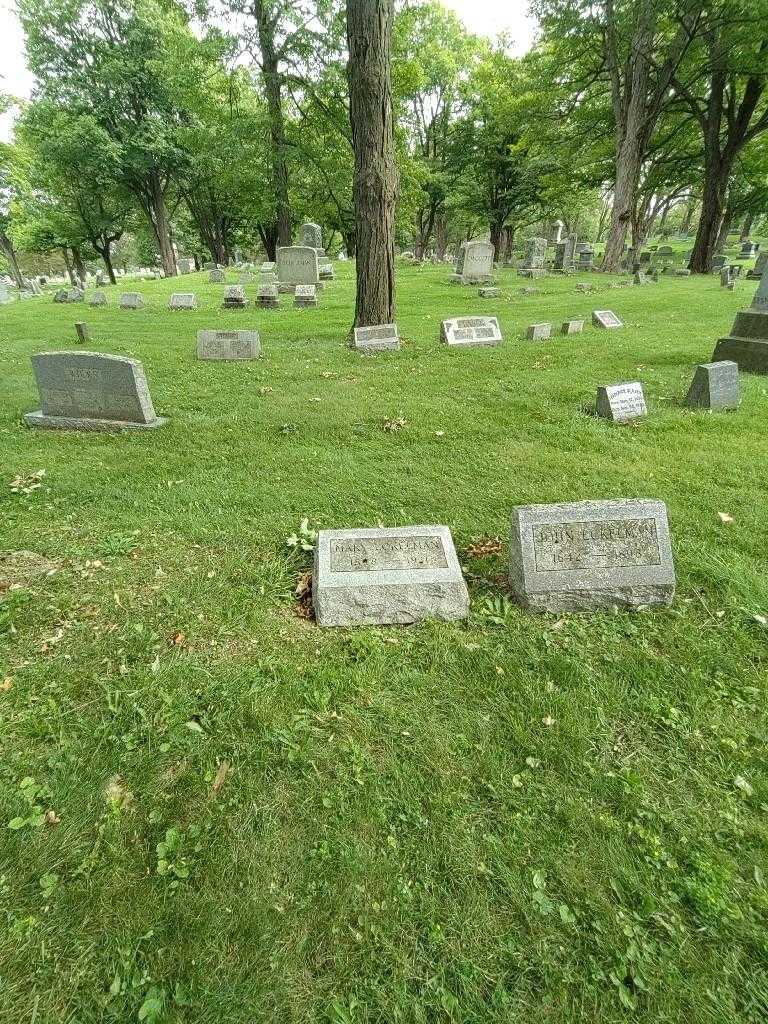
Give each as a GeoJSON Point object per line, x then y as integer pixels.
{"type": "Point", "coordinates": [471, 330]}
{"type": "Point", "coordinates": [380, 554]}
{"type": "Point", "coordinates": [615, 544]}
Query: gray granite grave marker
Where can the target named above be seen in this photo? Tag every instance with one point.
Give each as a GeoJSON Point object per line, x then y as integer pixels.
{"type": "Point", "coordinates": [714, 386]}
{"type": "Point", "coordinates": [380, 338]}
{"type": "Point", "coordinates": [621, 402]}
{"type": "Point", "coordinates": [466, 331]}
{"type": "Point", "coordinates": [572, 326]}
{"type": "Point", "coordinates": [305, 296]}
{"type": "Point", "coordinates": [131, 300]}
{"type": "Point", "coordinates": [182, 300]}
{"type": "Point", "coordinates": [747, 344]}
{"type": "Point", "coordinates": [228, 345]}
{"type": "Point", "coordinates": [539, 332]}
{"type": "Point", "coordinates": [216, 276]}
{"type": "Point", "coordinates": [296, 265]}
{"type": "Point", "coordinates": [98, 299]}
{"type": "Point", "coordinates": [268, 296]}
{"type": "Point", "coordinates": [234, 297]}
{"type": "Point", "coordinates": [605, 318]}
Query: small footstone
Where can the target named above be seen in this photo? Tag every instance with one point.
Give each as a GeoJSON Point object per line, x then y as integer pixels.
{"type": "Point", "coordinates": [305, 296]}
{"type": "Point", "coordinates": [183, 300]}
{"type": "Point", "coordinates": [591, 556]}
{"type": "Point", "coordinates": [621, 402]}
{"type": "Point", "coordinates": [605, 318]}
{"type": "Point", "coordinates": [387, 576]}
{"type": "Point", "coordinates": [715, 386]}
{"type": "Point", "coordinates": [489, 293]}
{"type": "Point", "coordinates": [471, 330]}
{"type": "Point", "coordinates": [380, 338]}
{"type": "Point", "coordinates": [81, 330]}
{"type": "Point", "coordinates": [572, 327]}
{"type": "Point", "coordinates": [539, 332]}
{"type": "Point", "coordinates": [228, 345]}
{"type": "Point", "coordinates": [131, 300]}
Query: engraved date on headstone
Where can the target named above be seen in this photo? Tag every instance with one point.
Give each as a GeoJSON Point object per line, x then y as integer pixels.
{"type": "Point", "coordinates": [613, 544]}
{"type": "Point", "coordinates": [381, 554]}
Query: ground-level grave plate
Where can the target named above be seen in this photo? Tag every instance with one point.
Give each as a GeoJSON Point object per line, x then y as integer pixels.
{"type": "Point", "coordinates": [379, 338]}
{"type": "Point", "coordinates": [465, 331]}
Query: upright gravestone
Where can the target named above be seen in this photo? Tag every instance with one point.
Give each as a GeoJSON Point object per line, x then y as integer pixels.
{"type": "Point", "coordinates": [305, 296]}
{"type": "Point", "coordinates": [186, 266]}
{"type": "Point", "coordinates": [477, 262]}
{"type": "Point", "coordinates": [182, 300]}
{"type": "Point", "coordinates": [714, 386]}
{"type": "Point", "coordinates": [467, 331]}
{"type": "Point", "coordinates": [234, 297]}
{"type": "Point", "coordinates": [325, 269]}
{"type": "Point", "coordinates": [556, 232]}
{"type": "Point", "coordinates": [381, 338]}
{"type": "Point", "coordinates": [539, 332]}
{"type": "Point", "coordinates": [75, 295]}
{"type": "Point", "coordinates": [83, 335]}
{"type": "Point", "coordinates": [311, 236]}
{"type": "Point", "coordinates": [621, 402]}
{"type": "Point", "coordinates": [585, 257]}
{"type": "Point", "coordinates": [296, 264]}
{"type": "Point", "coordinates": [268, 296]}
{"type": "Point", "coordinates": [60, 295]}
{"type": "Point", "coordinates": [387, 576]}
{"type": "Point", "coordinates": [748, 250]}
{"type": "Point", "coordinates": [534, 253]}
{"type": "Point", "coordinates": [98, 299]}
{"type": "Point", "coordinates": [101, 279]}
{"type": "Point", "coordinates": [216, 276]}
{"type": "Point", "coordinates": [572, 327]}
{"type": "Point", "coordinates": [131, 300]}
{"type": "Point", "coordinates": [591, 556]}
{"type": "Point", "coordinates": [91, 391]}
{"type": "Point", "coordinates": [756, 273]}
{"type": "Point", "coordinates": [747, 344]}
{"type": "Point", "coordinates": [228, 345]}
{"type": "Point", "coordinates": [718, 262]}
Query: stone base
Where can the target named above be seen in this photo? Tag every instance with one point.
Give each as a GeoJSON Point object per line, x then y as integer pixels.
{"type": "Point", "coordinates": [534, 274]}
{"type": "Point", "coordinates": [751, 354]}
{"type": "Point", "coordinates": [397, 604]}
{"type": "Point", "coordinates": [289, 289]}
{"type": "Point", "coordinates": [37, 419]}
{"type": "Point", "coordinates": [267, 304]}
{"type": "Point", "coordinates": [234, 305]}
{"type": "Point", "coordinates": [557, 601]}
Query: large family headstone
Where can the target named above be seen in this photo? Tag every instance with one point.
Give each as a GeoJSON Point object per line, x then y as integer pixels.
{"type": "Point", "coordinates": [747, 344]}
{"type": "Point", "coordinates": [387, 576]}
{"type": "Point", "coordinates": [591, 556]}
{"type": "Point", "coordinates": [91, 391]}
{"type": "Point", "coordinates": [715, 386]}
{"type": "Point", "coordinates": [228, 345]}
{"type": "Point", "coordinates": [605, 318]}
{"type": "Point", "coordinates": [476, 262]}
{"type": "Point", "coordinates": [183, 300]}
{"type": "Point", "coordinates": [380, 338]}
{"type": "Point", "coordinates": [131, 300]}
{"type": "Point", "coordinates": [534, 254]}
{"type": "Point", "coordinates": [296, 264]}
{"type": "Point", "coordinates": [621, 402]}
{"type": "Point", "coordinates": [234, 297]}
{"type": "Point", "coordinates": [465, 331]}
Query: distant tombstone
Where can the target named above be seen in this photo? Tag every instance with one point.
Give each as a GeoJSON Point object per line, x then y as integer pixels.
{"type": "Point", "coordinates": [4, 296]}
{"type": "Point", "coordinates": [311, 235]}
{"type": "Point", "coordinates": [682, 272]}
{"type": "Point", "coordinates": [585, 258]}
{"type": "Point", "coordinates": [591, 556]}
{"type": "Point", "coordinates": [572, 326]}
{"type": "Point", "coordinates": [98, 299]}
{"type": "Point", "coordinates": [489, 293]}
{"type": "Point", "coordinates": [621, 402]}
{"type": "Point", "coordinates": [246, 278]}
{"type": "Point", "coordinates": [267, 297]}
{"type": "Point", "coordinates": [539, 332]}
{"type": "Point", "coordinates": [381, 338]}
{"type": "Point", "coordinates": [556, 232]}
{"type": "Point", "coordinates": [640, 278]}
{"type": "Point", "coordinates": [185, 266]}
{"type": "Point", "coordinates": [305, 296]}
{"type": "Point", "coordinates": [715, 386]}
{"type": "Point", "coordinates": [477, 262]}
{"type": "Point", "coordinates": [91, 391]}
{"type": "Point", "coordinates": [726, 277]}
{"type": "Point", "coordinates": [210, 265]}
{"type": "Point", "coordinates": [82, 332]}
{"type": "Point", "coordinates": [467, 331]}
{"type": "Point", "coordinates": [718, 262]}
{"type": "Point", "coordinates": [606, 318]}
{"type": "Point", "coordinates": [756, 273]}
{"type": "Point", "coordinates": [748, 250]}
{"type": "Point", "coordinates": [665, 253]}
{"type": "Point", "coordinates": [75, 295]}
{"type": "Point", "coordinates": [182, 300]}
{"type": "Point", "coordinates": [387, 576]}
{"type": "Point", "coordinates": [267, 267]}
{"type": "Point", "coordinates": [234, 297]}
{"type": "Point", "coordinates": [564, 254]}
{"type": "Point", "coordinates": [534, 254]}
{"type": "Point", "coordinates": [101, 279]}
{"type": "Point", "coordinates": [296, 265]}
{"type": "Point", "coordinates": [325, 269]}
{"type": "Point", "coordinates": [228, 345]}
{"type": "Point", "coordinates": [747, 344]}
{"type": "Point", "coordinates": [131, 300]}
{"type": "Point", "coordinates": [216, 276]}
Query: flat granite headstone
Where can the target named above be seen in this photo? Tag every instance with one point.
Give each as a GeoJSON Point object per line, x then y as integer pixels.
{"type": "Point", "coordinates": [98, 299]}
{"type": "Point", "coordinates": [91, 391]}
{"type": "Point", "coordinates": [268, 296]}
{"type": "Point", "coordinates": [380, 338]}
{"type": "Point", "coordinates": [591, 556]}
{"type": "Point", "coordinates": [387, 576]}
{"type": "Point", "coordinates": [539, 332]}
{"type": "Point", "coordinates": [605, 318]}
{"type": "Point", "coordinates": [305, 295]}
{"type": "Point", "coordinates": [297, 264]}
{"type": "Point", "coordinates": [228, 345]}
{"type": "Point", "coordinates": [572, 327]}
{"type": "Point", "coordinates": [715, 386]}
{"type": "Point", "coordinates": [747, 344]}
{"type": "Point", "coordinates": [489, 293]}
{"type": "Point", "coordinates": [234, 297]}
{"type": "Point", "coordinates": [465, 331]}
{"type": "Point", "coordinates": [131, 300]}
{"type": "Point", "coordinates": [621, 402]}
{"type": "Point", "coordinates": [183, 300]}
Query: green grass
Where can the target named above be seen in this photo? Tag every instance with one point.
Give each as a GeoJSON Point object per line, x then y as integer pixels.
{"type": "Point", "coordinates": [400, 837]}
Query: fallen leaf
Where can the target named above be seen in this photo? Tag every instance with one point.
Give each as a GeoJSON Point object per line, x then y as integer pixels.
{"type": "Point", "coordinates": [724, 518]}
{"type": "Point", "coordinates": [178, 639]}
{"type": "Point", "coordinates": [51, 817]}
{"type": "Point", "coordinates": [741, 783]}
{"type": "Point", "coordinates": [548, 721]}
{"type": "Point", "coordinates": [484, 546]}
{"type": "Point", "coordinates": [7, 684]}
{"type": "Point", "coordinates": [221, 776]}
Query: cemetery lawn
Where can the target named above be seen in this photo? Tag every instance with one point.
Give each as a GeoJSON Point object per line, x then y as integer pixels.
{"type": "Point", "coordinates": [213, 812]}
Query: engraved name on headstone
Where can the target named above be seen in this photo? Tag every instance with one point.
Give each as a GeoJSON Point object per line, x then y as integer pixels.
{"type": "Point", "coordinates": [228, 345]}
{"type": "Point", "coordinates": [605, 318]}
{"type": "Point", "coordinates": [183, 300]}
{"type": "Point", "coordinates": [380, 338]}
{"type": "Point", "coordinates": [297, 264]}
{"type": "Point", "coordinates": [471, 330]}
{"type": "Point", "coordinates": [621, 402]}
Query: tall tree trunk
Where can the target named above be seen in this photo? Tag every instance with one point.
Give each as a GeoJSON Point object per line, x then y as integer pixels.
{"type": "Point", "coordinates": [725, 227]}
{"type": "Point", "coordinates": [497, 236]}
{"type": "Point", "coordinates": [716, 175]}
{"type": "Point", "coordinates": [509, 242]}
{"type": "Point", "coordinates": [369, 36]}
{"type": "Point", "coordinates": [441, 236]}
{"type": "Point", "coordinates": [10, 254]}
{"type": "Point", "coordinates": [157, 213]}
{"type": "Point", "coordinates": [68, 265]}
{"type": "Point", "coordinates": [105, 251]}
{"type": "Point", "coordinates": [746, 227]}
{"type": "Point", "coordinates": [270, 70]}
{"type": "Point", "coordinates": [685, 226]}
{"type": "Point", "coordinates": [268, 236]}
{"type": "Point", "coordinates": [77, 260]}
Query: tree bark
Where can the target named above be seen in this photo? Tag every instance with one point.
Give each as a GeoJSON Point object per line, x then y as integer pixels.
{"type": "Point", "coordinates": [441, 236]}
{"type": "Point", "coordinates": [268, 236]}
{"type": "Point", "coordinates": [725, 227]}
{"type": "Point", "coordinates": [10, 254]}
{"type": "Point", "coordinates": [746, 227]}
{"type": "Point", "coordinates": [369, 36]}
{"type": "Point", "coordinates": [68, 265]}
{"type": "Point", "coordinates": [272, 87]}
{"type": "Point", "coordinates": [77, 260]}
{"type": "Point", "coordinates": [153, 202]}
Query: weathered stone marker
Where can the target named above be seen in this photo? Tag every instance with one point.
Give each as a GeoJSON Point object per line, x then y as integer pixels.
{"type": "Point", "coordinates": [183, 300]}
{"type": "Point", "coordinates": [756, 273]}
{"type": "Point", "coordinates": [539, 332]}
{"type": "Point", "coordinates": [268, 296]}
{"type": "Point", "coordinates": [234, 297]}
{"type": "Point", "coordinates": [186, 266]}
{"type": "Point", "coordinates": [91, 391]}
{"type": "Point", "coordinates": [476, 262]}
{"type": "Point", "coordinates": [534, 253]}
{"type": "Point", "coordinates": [81, 330]}
{"type": "Point", "coordinates": [216, 276]}
{"type": "Point", "coordinates": [605, 318]}
{"type": "Point", "coordinates": [747, 344]}
{"type": "Point", "coordinates": [387, 576]}
{"type": "Point", "coordinates": [305, 296]}
{"type": "Point", "coordinates": [572, 327]}
{"type": "Point", "coordinates": [621, 402]}
{"type": "Point", "coordinates": [131, 300]}
{"type": "Point", "coordinates": [381, 338]}
{"type": "Point", "coordinates": [296, 264]}
{"type": "Point", "coordinates": [465, 331]}
{"type": "Point", "coordinates": [98, 299]}
{"type": "Point", "coordinates": [591, 555]}
{"type": "Point", "coordinates": [311, 236]}
{"type": "Point", "coordinates": [489, 293]}
{"type": "Point", "coordinates": [715, 386]}
{"type": "Point", "coordinates": [228, 345]}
